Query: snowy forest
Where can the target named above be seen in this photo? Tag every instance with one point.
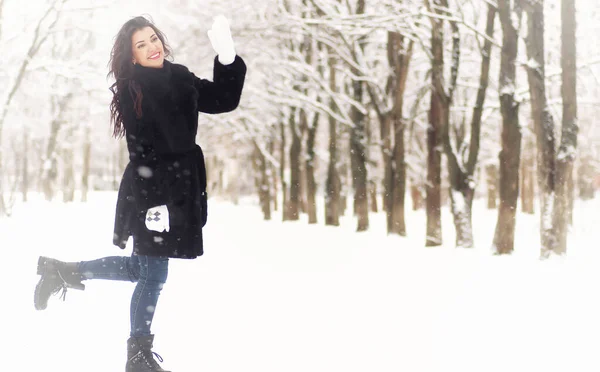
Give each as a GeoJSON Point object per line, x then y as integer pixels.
{"type": "Point", "coordinates": [349, 107]}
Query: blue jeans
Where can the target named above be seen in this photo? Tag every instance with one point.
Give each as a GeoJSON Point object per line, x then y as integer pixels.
{"type": "Point", "coordinates": [149, 272]}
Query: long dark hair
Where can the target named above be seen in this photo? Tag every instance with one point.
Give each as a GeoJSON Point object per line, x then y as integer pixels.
{"type": "Point", "coordinates": [121, 68]}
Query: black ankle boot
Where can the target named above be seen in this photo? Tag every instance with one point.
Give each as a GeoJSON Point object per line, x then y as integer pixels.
{"type": "Point", "coordinates": [55, 275]}
{"type": "Point", "coordinates": [140, 357]}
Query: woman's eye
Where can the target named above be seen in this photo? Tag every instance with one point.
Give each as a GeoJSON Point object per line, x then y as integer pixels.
{"type": "Point", "coordinates": [154, 40]}
{"type": "Point", "coordinates": [140, 46]}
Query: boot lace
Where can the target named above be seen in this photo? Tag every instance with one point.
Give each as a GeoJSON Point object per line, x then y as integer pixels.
{"type": "Point", "coordinates": [148, 357]}
{"type": "Point", "coordinates": [63, 295]}
{"type": "Point", "coordinates": [62, 286]}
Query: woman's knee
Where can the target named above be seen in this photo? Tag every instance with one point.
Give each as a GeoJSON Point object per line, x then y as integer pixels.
{"type": "Point", "coordinates": [154, 269]}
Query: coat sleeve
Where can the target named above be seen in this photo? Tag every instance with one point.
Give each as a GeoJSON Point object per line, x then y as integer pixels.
{"type": "Point", "coordinates": [146, 183]}
{"type": "Point", "coordinates": [224, 92]}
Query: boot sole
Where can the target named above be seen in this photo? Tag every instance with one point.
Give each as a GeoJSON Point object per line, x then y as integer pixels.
{"type": "Point", "coordinates": [36, 301]}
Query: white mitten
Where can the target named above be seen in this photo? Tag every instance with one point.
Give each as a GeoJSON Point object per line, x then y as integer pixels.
{"type": "Point", "coordinates": [220, 38]}
{"type": "Point", "coordinates": [157, 218]}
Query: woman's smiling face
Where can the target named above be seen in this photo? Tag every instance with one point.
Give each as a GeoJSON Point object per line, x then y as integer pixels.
{"type": "Point", "coordinates": [147, 49]}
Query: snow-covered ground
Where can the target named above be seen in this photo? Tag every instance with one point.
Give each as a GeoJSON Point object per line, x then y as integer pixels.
{"type": "Point", "coordinates": [272, 297]}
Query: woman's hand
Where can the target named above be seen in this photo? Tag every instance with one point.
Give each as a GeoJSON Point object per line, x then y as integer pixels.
{"type": "Point", "coordinates": [157, 219]}
{"type": "Point", "coordinates": [220, 38]}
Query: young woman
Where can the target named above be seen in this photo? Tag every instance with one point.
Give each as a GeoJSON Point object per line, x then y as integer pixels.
{"type": "Point", "coordinates": [162, 197]}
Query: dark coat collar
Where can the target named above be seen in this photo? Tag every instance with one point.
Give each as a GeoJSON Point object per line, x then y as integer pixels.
{"type": "Point", "coordinates": [155, 80]}
{"type": "Point", "coordinates": [160, 81]}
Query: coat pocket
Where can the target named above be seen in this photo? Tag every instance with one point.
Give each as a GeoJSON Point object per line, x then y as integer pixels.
{"type": "Point", "coordinates": [177, 215]}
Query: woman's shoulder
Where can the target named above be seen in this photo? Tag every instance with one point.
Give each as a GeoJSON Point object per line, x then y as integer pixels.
{"type": "Point", "coordinates": [125, 97]}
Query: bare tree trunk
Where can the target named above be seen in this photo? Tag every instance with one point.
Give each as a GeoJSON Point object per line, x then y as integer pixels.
{"type": "Point", "coordinates": [285, 212]}
{"type": "Point", "coordinates": [49, 171]}
{"type": "Point", "coordinates": [358, 159]}
{"type": "Point", "coordinates": [417, 197]}
{"type": "Point", "coordinates": [68, 175]}
{"type": "Point", "coordinates": [585, 177]}
{"type": "Point", "coordinates": [373, 196]}
{"type": "Point", "coordinates": [68, 155]}
{"type": "Point", "coordinates": [528, 180]}
{"type": "Point", "coordinates": [293, 206]}
{"type": "Point", "coordinates": [87, 157]}
{"type": "Point", "coordinates": [437, 117]}
{"type": "Point", "coordinates": [371, 182]}
{"type": "Point", "coordinates": [221, 175]}
{"type": "Point", "coordinates": [491, 173]}
{"type": "Point", "coordinates": [303, 186]}
{"type": "Point", "coordinates": [399, 178]}
{"type": "Point", "coordinates": [311, 183]}
{"type": "Point", "coordinates": [510, 154]}
{"type": "Point", "coordinates": [344, 186]}
{"type": "Point", "coordinates": [358, 162]}
{"type": "Point", "coordinates": [433, 187]}
{"type": "Point", "coordinates": [571, 188]}
{"type": "Point", "coordinates": [543, 123]}
{"type": "Point", "coordinates": [273, 173]}
{"type": "Point", "coordinates": [461, 173]}
{"type": "Point", "coordinates": [333, 182]}
{"type": "Point", "coordinates": [386, 155]}
{"type": "Point", "coordinates": [262, 181]}
{"type": "Point", "coordinates": [395, 169]}
{"type": "Point", "coordinates": [566, 153]}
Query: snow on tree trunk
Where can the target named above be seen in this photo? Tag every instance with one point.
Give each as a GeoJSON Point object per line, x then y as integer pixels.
{"type": "Point", "coordinates": [543, 123]}
{"type": "Point", "coordinates": [462, 173]}
{"type": "Point", "coordinates": [461, 211]}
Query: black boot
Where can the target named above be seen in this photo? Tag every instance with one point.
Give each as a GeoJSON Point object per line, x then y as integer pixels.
{"type": "Point", "coordinates": [56, 275]}
{"type": "Point", "coordinates": [140, 357]}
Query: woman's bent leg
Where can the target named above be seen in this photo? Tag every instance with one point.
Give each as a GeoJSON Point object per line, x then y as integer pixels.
{"type": "Point", "coordinates": [152, 277]}
{"type": "Point", "coordinates": [111, 268]}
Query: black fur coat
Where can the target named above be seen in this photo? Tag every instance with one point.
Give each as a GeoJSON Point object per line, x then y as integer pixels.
{"type": "Point", "coordinates": [166, 166]}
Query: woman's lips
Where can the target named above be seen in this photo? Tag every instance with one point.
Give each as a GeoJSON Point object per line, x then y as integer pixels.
{"type": "Point", "coordinates": [155, 56]}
